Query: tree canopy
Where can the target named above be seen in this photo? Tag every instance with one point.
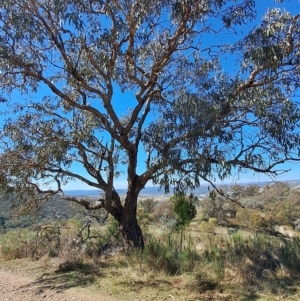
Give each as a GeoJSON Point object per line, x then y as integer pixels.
{"type": "Point", "coordinates": [95, 82]}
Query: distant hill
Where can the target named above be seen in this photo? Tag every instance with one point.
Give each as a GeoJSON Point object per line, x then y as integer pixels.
{"type": "Point", "coordinates": [58, 209]}
{"type": "Point", "coordinates": [155, 191]}
{"type": "Point", "coordinates": [147, 191]}
{"type": "Point", "coordinates": [97, 193]}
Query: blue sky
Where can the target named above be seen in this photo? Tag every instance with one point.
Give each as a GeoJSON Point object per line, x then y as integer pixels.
{"type": "Point", "coordinates": [262, 6]}
{"type": "Point", "coordinates": [292, 6]}
{"type": "Point", "coordinates": [123, 100]}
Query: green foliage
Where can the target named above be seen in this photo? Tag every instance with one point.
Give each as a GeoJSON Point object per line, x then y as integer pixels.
{"type": "Point", "coordinates": [195, 120]}
{"type": "Point", "coordinates": [185, 210]}
{"type": "Point", "coordinates": [250, 261]}
{"type": "Point", "coordinates": [112, 230]}
{"type": "Point", "coordinates": [289, 254]}
{"type": "Point", "coordinates": [274, 204]}
{"type": "Point", "coordinates": [229, 262]}
{"type": "Point", "coordinates": [27, 243]}
{"type": "Point", "coordinates": [17, 244]}
{"type": "Point", "coordinates": [55, 239]}
{"type": "Point", "coordinates": [170, 258]}
{"type": "Point", "coordinates": [264, 254]}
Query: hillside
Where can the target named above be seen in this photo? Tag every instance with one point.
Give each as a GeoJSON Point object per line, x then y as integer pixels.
{"type": "Point", "coordinates": [205, 260]}
{"type": "Point", "coordinates": [58, 209]}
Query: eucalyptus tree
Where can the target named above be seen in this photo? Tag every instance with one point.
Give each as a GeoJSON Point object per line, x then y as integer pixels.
{"type": "Point", "coordinates": [94, 83]}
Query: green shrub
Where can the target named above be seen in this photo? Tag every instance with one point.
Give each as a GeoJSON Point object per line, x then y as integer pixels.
{"type": "Point", "coordinates": [17, 244]}
{"type": "Point", "coordinates": [185, 210]}
{"type": "Point", "coordinates": [289, 254]}
{"type": "Point", "coordinates": [112, 231]}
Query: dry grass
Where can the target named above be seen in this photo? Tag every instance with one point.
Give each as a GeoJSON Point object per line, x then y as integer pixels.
{"type": "Point", "coordinates": [209, 267]}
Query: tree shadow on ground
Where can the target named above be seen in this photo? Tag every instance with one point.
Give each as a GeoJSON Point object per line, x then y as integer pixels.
{"type": "Point", "coordinates": [271, 290]}
{"type": "Point", "coordinates": [68, 275]}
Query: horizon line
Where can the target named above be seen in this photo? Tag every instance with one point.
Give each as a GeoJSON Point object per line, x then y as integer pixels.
{"type": "Point", "coordinates": [205, 185]}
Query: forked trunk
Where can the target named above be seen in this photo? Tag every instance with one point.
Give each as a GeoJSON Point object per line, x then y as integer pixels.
{"type": "Point", "coordinates": [129, 228]}
{"type": "Point", "coordinates": [126, 217]}
{"type": "Point", "coordinates": [131, 232]}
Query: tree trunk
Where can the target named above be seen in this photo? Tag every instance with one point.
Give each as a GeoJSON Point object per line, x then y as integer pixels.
{"type": "Point", "coordinates": [127, 222]}
{"type": "Point", "coordinates": [131, 232]}
{"type": "Point", "coordinates": [127, 219]}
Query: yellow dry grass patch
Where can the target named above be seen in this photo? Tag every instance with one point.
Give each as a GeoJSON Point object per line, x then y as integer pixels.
{"type": "Point", "coordinates": [125, 278]}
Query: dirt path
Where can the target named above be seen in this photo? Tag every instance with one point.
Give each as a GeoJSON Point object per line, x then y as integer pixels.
{"type": "Point", "coordinates": [24, 283]}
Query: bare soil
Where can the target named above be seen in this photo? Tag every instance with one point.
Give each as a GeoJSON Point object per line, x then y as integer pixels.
{"type": "Point", "coordinates": [21, 280]}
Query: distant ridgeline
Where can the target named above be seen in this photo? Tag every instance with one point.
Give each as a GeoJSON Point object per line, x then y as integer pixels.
{"type": "Point", "coordinates": [57, 209]}
{"type": "Point", "coordinates": [147, 191]}
{"type": "Point", "coordinates": [54, 209]}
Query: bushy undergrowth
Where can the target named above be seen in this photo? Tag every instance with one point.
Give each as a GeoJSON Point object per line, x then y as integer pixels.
{"type": "Point", "coordinates": [170, 257]}
{"type": "Point", "coordinates": [247, 260]}
{"type": "Point", "coordinates": [255, 259]}
{"type": "Point", "coordinates": [219, 261]}
{"type": "Point", "coordinates": [58, 239]}
{"type": "Point", "coordinates": [17, 244]}
{"type": "Point", "coordinates": [35, 244]}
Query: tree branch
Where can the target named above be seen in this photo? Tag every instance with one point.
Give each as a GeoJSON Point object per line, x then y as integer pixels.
{"type": "Point", "coordinates": [86, 204]}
